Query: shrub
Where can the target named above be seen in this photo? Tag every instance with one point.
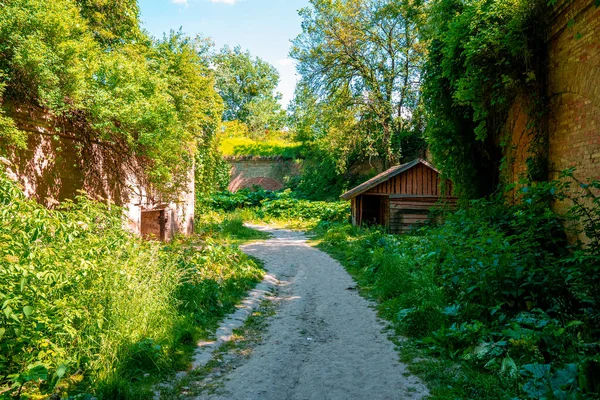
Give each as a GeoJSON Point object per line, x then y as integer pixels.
{"type": "Point", "coordinates": [279, 205]}
{"type": "Point", "coordinates": [88, 306]}
{"type": "Point", "coordinates": [494, 285]}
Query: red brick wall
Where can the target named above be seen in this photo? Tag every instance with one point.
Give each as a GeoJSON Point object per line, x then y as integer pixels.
{"type": "Point", "coordinates": [268, 173]}
{"type": "Point", "coordinates": [574, 91]}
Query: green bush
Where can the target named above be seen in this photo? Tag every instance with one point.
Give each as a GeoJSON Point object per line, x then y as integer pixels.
{"type": "Point", "coordinates": [496, 286]}
{"type": "Point", "coordinates": [245, 198]}
{"type": "Point", "coordinates": [279, 205]}
{"type": "Point", "coordinates": [86, 306]}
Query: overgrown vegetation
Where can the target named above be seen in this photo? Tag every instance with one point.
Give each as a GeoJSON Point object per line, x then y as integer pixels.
{"type": "Point", "coordinates": [494, 289]}
{"type": "Point", "coordinates": [91, 66]}
{"type": "Point", "coordinates": [89, 308]}
{"type": "Point", "coordinates": [247, 147]}
{"type": "Point", "coordinates": [482, 56]}
{"type": "Point", "coordinates": [278, 206]}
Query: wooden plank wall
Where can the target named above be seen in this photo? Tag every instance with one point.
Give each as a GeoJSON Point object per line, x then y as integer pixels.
{"type": "Point", "coordinates": [411, 211]}
{"type": "Point", "coordinates": [419, 180]}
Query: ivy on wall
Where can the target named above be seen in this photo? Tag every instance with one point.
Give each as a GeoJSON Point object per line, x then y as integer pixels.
{"type": "Point", "coordinates": [481, 59]}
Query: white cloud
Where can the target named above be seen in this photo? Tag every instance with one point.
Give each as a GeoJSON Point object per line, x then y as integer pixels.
{"type": "Point", "coordinates": [231, 2]}
{"type": "Point", "coordinates": [179, 1]}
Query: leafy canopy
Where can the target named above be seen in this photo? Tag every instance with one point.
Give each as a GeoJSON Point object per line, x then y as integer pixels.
{"type": "Point", "coordinates": [366, 56]}
{"type": "Point", "coordinates": [87, 61]}
{"type": "Point", "coordinates": [247, 85]}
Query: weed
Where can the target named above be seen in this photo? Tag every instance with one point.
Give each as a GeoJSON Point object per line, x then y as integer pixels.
{"type": "Point", "coordinates": [493, 297]}
{"type": "Point", "coordinates": [88, 307]}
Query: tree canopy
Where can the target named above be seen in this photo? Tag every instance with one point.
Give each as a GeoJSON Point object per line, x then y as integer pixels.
{"type": "Point", "coordinates": [248, 86]}
{"type": "Point", "coordinates": [365, 56]}
{"type": "Point", "coordinates": [88, 60]}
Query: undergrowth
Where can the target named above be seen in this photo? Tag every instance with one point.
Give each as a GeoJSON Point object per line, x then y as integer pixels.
{"type": "Point", "coordinates": [277, 207]}
{"type": "Point", "coordinates": [497, 302]}
{"type": "Point", "coordinates": [89, 309]}
{"type": "Point", "coordinates": [243, 146]}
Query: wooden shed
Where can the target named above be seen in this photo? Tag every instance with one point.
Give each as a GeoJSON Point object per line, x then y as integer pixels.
{"type": "Point", "coordinates": [399, 197]}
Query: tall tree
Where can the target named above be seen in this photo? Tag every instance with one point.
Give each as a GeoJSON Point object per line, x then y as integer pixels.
{"type": "Point", "coordinates": [248, 87]}
{"type": "Point", "coordinates": [113, 22]}
{"type": "Point", "coordinates": [367, 53]}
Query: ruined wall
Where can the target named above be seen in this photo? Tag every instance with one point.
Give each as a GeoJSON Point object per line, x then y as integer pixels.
{"type": "Point", "coordinates": [573, 85]}
{"type": "Point", "coordinates": [61, 160]}
{"type": "Point", "coordinates": [268, 173]}
{"type": "Point", "coordinates": [574, 90]}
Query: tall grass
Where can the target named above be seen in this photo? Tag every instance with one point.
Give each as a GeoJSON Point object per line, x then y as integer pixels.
{"type": "Point", "coordinates": [88, 307]}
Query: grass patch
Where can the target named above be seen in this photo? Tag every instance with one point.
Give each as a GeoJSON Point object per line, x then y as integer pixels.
{"type": "Point", "coordinates": [243, 146]}
{"type": "Point", "coordinates": [209, 379]}
{"type": "Point", "coordinates": [88, 308]}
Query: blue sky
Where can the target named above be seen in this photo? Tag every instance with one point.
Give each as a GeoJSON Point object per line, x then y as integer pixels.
{"type": "Point", "coordinates": [265, 27]}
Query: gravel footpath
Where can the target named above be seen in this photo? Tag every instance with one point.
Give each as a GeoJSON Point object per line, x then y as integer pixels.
{"type": "Point", "coordinates": [325, 342]}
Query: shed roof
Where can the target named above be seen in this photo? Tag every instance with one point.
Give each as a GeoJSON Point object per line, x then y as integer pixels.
{"type": "Point", "coordinates": [384, 176]}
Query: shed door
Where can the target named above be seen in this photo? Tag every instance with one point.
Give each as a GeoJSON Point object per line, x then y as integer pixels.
{"type": "Point", "coordinates": [153, 225]}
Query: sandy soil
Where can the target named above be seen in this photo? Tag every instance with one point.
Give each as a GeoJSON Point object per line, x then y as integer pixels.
{"type": "Point", "coordinates": [325, 342]}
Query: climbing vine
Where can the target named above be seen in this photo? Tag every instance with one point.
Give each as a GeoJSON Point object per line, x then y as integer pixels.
{"type": "Point", "coordinates": [480, 61]}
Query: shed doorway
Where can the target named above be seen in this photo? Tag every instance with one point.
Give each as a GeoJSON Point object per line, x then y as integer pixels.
{"type": "Point", "coordinates": [374, 210]}
{"type": "Point", "coordinates": [153, 224]}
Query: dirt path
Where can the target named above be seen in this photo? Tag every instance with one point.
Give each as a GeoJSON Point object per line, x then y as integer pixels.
{"type": "Point", "coordinates": [325, 341]}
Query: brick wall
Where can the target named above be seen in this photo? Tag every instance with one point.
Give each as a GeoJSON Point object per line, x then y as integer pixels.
{"type": "Point", "coordinates": [59, 162]}
{"type": "Point", "coordinates": [573, 84]}
{"type": "Point", "coordinates": [268, 173]}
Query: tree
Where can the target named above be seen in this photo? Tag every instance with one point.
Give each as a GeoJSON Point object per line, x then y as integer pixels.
{"type": "Point", "coordinates": [247, 85]}
{"type": "Point", "coordinates": [112, 22]}
{"type": "Point", "coordinates": [367, 56]}
{"type": "Point", "coordinates": [137, 98]}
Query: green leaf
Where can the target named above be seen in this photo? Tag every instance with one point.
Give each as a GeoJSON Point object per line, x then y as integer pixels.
{"type": "Point", "coordinates": [27, 310]}
{"type": "Point", "coordinates": [2, 332]}
{"type": "Point", "coordinates": [508, 366]}
{"type": "Point", "coordinates": [61, 371]}
{"type": "Point", "coordinates": [36, 372]}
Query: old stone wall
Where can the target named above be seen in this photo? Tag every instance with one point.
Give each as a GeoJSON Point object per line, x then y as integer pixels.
{"type": "Point", "coordinates": [265, 172]}
{"type": "Point", "coordinates": [573, 88]}
{"type": "Point", "coordinates": [61, 160]}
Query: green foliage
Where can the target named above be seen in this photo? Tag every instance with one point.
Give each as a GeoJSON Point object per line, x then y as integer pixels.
{"type": "Point", "coordinates": [88, 63]}
{"type": "Point", "coordinates": [239, 146]}
{"type": "Point", "coordinates": [280, 206]}
{"type": "Point", "coordinates": [482, 55]}
{"type": "Point", "coordinates": [495, 288]}
{"type": "Point", "coordinates": [229, 226]}
{"type": "Point", "coordinates": [289, 208]}
{"type": "Point", "coordinates": [85, 306]}
{"type": "Point", "coordinates": [247, 86]}
{"type": "Point", "coordinates": [245, 198]}
{"type": "Point", "coordinates": [112, 22]}
{"type": "Point", "coordinates": [364, 57]}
